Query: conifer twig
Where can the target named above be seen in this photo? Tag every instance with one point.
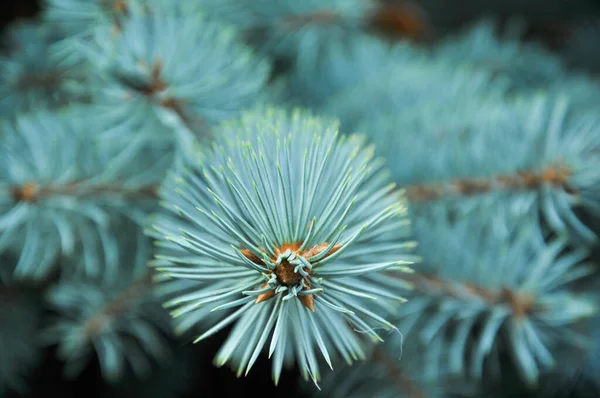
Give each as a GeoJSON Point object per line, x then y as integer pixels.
{"type": "Point", "coordinates": [521, 304]}
{"type": "Point", "coordinates": [319, 17]}
{"type": "Point", "coordinates": [114, 308]}
{"type": "Point", "coordinates": [33, 192]}
{"type": "Point", "coordinates": [556, 175]}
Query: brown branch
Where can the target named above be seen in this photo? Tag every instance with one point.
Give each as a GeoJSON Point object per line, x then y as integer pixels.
{"type": "Point", "coordinates": [115, 308]}
{"type": "Point", "coordinates": [149, 89]}
{"type": "Point", "coordinates": [556, 175]}
{"type": "Point", "coordinates": [32, 192]}
{"type": "Point", "coordinates": [404, 383]}
{"type": "Point", "coordinates": [402, 19]}
{"type": "Point", "coordinates": [49, 80]}
{"type": "Point", "coordinates": [319, 17]}
{"type": "Point", "coordinates": [116, 8]}
{"type": "Point", "coordinates": [120, 7]}
{"type": "Point", "coordinates": [155, 86]}
{"type": "Point", "coordinates": [520, 303]}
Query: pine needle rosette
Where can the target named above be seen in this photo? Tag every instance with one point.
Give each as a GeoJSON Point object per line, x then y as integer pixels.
{"type": "Point", "coordinates": [286, 224]}
{"type": "Point", "coordinates": [166, 69]}
{"type": "Point", "coordinates": [60, 194]}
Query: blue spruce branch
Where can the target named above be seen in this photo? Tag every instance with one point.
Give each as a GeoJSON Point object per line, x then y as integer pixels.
{"type": "Point", "coordinates": [546, 163]}
{"type": "Point", "coordinates": [525, 66]}
{"type": "Point", "coordinates": [59, 194]}
{"type": "Point", "coordinates": [295, 31]}
{"type": "Point", "coordinates": [33, 75]}
{"type": "Point", "coordinates": [260, 223]}
{"type": "Point", "coordinates": [145, 91]}
{"type": "Point", "coordinates": [511, 294]}
{"type": "Point", "coordinates": [119, 319]}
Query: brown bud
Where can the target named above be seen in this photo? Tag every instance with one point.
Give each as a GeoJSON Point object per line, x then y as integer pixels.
{"type": "Point", "coordinates": [404, 19]}
{"type": "Point", "coordinates": [26, 193]}
{"type": "Point", "coordinates": [313, 251]}
{"type": "Point", "coordinates": [252, 257]}
{"type": "Point", "coordinates": [265, 296]}
{"type": "Point", "coordinates": [120, 7]}
{"type": "Point", "coordinates": [294, 247]}
{"type": "Point", "coordinates": [286, 275]}
{"type": "Point", "coordinates": [308, 301]}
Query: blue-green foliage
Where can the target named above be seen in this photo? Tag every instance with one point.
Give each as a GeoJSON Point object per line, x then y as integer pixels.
{"type": "Point", "coordinates": [487, 129]}
{"type": "Point", "coordinates": [524, 66]}
{"type": "Point", "coordinates": [288, 224]}
{"type": "Point", "coordinates": [118, 319]}
{"type": "Point", "coordinates": [406, 87]}
{"type": "Point", "coordinates": [382, 78]}
{"type": "Point", "coordinates": [394, 106]}
{"type": "Point", "coordinates": [168, 68]}
{"type": "Point", "coordinates": [346, 64]}
{"type": "Point", "coordinates": [73, 180]}
{"type": "Point", "coordinates": [583, 92]}
{"type": "Point", "coordinates": [544, 137]}
{"type": "Point", "coordinates": [594, 355]}
{"type": "Point", "coordinates": [295, 30]}
{"type": "Point", "coordinates": [503, 295]}
{"type": "Point", "coordinates": [467, 309]}
{"type": "Point", "coordinates": [32, 75]}
{"type": "Point", "coordinates": [285, 229]}
{"type": "Point", "coordinates": [59, 194]}
{"type": "Point", "coordinates": [79, 18]}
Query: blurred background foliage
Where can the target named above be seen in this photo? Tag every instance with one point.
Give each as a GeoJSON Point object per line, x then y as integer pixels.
{"type": "Point", "coordinates": [568, 27]}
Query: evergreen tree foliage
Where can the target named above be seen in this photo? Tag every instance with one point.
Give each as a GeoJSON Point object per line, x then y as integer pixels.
{"type": "Point", "coordinates": [550, 174]}
{"type": "Point", "coordinates": [344, 65]}
{"type": "Point", "coordinates": [33, 76]}
{"type": "Point", "coordinates": [118, 318]}
{"type": "Point", "coordinates": [144, 91]}
{"type": "Point", "coordinates": [295, 31]}
{"type": "Point", "coordinates": [315, 183]}
{"type": "Point", "coordinates": [507, 295]}
{"type": "Point", "coordinates": [59, 201]}
{"type": "Point", "coordinates": [523, 65]}
{"type": "Point", "coordinates": [280, 220]}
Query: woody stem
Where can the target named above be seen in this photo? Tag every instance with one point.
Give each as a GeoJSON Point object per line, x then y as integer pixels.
{"type": "Point", "coordinates": [520, 303]}
{"type": "Point", "coordinates": [33, 191]}
{"type": "Point", "coordinates": [119, 305]}
{"type": "Point", "coordinates": [556, 175]}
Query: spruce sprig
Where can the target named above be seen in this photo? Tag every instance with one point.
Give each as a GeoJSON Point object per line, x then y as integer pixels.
{"type": "Point", "coordinates": [286, 225]}
{"type": "Point", "coordinates": [60, 194]}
